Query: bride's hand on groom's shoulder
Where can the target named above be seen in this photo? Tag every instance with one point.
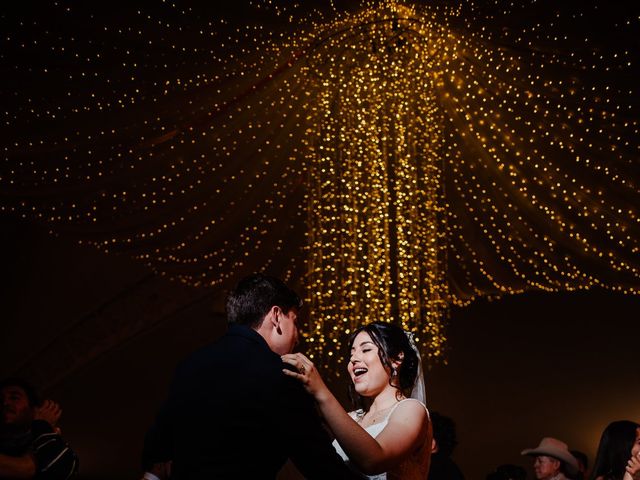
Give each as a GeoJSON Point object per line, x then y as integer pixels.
{"type": "Point", "coordinates": [306, 373]}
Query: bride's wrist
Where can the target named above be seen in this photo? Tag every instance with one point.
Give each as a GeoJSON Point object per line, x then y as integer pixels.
{"type": "Point", "coordinates": [323, 396]}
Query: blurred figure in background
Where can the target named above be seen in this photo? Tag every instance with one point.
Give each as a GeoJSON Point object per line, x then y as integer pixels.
{"type": "Point", "coordinates": [30, 441]}
{"type": "Point", "coordinates": [444, 442]}
{"type": "Point", "coordinates": [583, 464]}
{"type": "Point", "coordinates": [552, 460]}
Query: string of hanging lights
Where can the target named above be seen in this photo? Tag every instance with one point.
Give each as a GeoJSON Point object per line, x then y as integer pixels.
{"type": "Point", "coordinates": [399, 157]}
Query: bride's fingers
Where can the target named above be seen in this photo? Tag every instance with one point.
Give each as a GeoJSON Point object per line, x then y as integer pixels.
{"type": "Point", "coordinates": [295, 362]}
{"type": "Point", "coordinates": [304, 360]}
{"type": "Point", "coordinates": [291, 359]}
{"type": "Point", "coordinates": [288, 359]}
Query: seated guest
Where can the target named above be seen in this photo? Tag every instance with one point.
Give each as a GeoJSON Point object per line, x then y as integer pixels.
{"type": "Point", "coordinates": [553, 460]}
{"type": "Point", "coordinates": [30, 442]}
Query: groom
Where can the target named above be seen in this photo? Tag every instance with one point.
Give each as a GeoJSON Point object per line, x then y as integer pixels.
{"type": "Point", "coordinates": [231, 412]}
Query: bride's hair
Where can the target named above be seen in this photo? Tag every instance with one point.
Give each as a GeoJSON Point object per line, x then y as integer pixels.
{"type": "Point", "coordinates": [393, 344]}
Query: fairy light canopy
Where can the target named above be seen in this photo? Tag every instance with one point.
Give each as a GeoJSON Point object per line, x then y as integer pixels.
{"type": "Point", "coordinates": [399, 157]}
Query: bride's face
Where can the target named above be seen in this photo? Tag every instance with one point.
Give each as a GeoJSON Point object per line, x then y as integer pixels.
{"type": "Point", "coordinates": [367, 373]}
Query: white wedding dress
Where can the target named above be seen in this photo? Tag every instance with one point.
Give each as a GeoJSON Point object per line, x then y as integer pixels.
{"type": "Point", "coordinates": [415, 467]}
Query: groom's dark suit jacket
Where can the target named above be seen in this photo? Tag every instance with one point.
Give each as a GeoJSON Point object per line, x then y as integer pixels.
{"type": "Point", "coordinates": [232, 413]}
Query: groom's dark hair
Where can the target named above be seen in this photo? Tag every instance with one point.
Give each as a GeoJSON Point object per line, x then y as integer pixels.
{"type": "Point", "coordinates": [254, 296]}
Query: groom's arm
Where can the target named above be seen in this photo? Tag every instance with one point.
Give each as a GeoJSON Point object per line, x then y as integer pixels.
{"type": "Point", "coordinates": [157, 451]}
{"type": "Point", "coordinates": [309, 444]}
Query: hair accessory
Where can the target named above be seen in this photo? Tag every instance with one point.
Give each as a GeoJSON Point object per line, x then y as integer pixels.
{"type": "Point", "coordinates": [419, 391]}
{"type": "Point", "coordinates": [412, 340]}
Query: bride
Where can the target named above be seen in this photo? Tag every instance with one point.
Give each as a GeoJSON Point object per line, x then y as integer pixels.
{"type": "Point", "coordinates": [389, 436]}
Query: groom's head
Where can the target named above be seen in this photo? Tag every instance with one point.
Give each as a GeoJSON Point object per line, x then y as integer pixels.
{"type": "Point", "coordinates": [267, 305]}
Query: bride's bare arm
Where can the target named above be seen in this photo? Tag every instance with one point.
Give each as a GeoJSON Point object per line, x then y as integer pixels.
{"type": "Point", "coordinates": [406, 428]}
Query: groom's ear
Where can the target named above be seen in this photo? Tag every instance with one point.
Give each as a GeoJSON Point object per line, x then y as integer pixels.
{"type": "Point", "coordinates": [274, 318]}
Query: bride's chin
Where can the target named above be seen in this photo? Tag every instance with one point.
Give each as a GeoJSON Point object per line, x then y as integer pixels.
{"type": "Point", "coordinates": [361, 389]}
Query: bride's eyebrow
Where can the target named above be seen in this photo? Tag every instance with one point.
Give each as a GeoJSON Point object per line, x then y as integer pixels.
{"type": "Point", "coordinates": [364, 343]}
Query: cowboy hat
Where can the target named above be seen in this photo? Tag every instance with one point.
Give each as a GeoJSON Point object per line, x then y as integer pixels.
{"type": "Point", "coordinates": [552, 447]}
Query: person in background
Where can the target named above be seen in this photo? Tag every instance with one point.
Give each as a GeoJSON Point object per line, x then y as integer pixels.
{"type": "Point", "coordinates": [583, 464]}
{"type": "Point", "coordinates": [552, 460]}
{"type": "Point", "coordinates": [444, 442]}
{"type": "Point", "coordinates": [31, 445]}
